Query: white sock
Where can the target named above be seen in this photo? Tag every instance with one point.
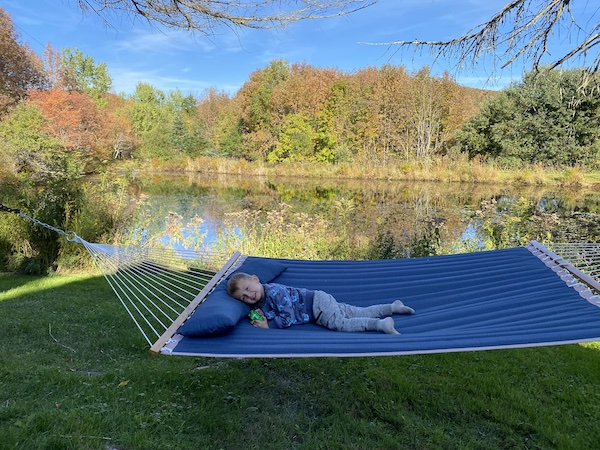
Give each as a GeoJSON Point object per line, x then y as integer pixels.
{"type": "Point", "coordinates": [400, 308]}
{"type": "Point", "coordinates": [387, 326]}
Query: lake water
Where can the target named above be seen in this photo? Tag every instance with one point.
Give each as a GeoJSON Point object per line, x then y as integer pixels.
{"type": "Point", "coordinates": [367, 208]}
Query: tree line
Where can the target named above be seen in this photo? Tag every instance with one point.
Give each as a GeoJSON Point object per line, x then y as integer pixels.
{"type": "Point", "coordinates": [284, 112]}
{"type": "Point", "coordinates": [64, 102]}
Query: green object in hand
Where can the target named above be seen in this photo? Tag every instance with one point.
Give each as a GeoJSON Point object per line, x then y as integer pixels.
{"type": "Point", "coordinates": [255, 315]}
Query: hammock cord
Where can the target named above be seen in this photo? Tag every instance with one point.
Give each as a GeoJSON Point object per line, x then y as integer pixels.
{"type": "Point", "coordinates": [584, 256]}
{"type": "Point", "coordinates": [154, 285]}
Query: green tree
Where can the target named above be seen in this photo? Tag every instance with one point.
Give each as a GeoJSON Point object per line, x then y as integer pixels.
{"type": "Point", "coordinates": [41, 178]}
{"type": "Point", "coordinates": [259, 97]}
{"type": "Point", "coordinates": [149, 119]}
{"type": "Point", "coordinates": [546, 118]}
{"type": "Point", "coordinates": [260, 133]}
{"type": "Point", "coordinates": [186, 136]}
{"type": "Point", "coordinates": [335, 117]}
{"type": "Point", "coordinates": [79, 72]}
{"type": "Point", "coordinates": [31, 152]}
{"type": "Point", "coordinates": [297, 141]}
{"type": "Point", "coordinates": [228, 135]}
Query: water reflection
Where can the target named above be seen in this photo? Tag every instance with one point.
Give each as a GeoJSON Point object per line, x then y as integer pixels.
{"type": "Point", "coordinates": [365, 208]}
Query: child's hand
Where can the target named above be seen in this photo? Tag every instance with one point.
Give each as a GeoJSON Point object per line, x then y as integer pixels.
{"type": "Point", "coordinates": [262, 322]}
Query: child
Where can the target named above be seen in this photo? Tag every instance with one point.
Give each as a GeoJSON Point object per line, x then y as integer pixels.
{"type": "Point", "coordinates": [284, 306]}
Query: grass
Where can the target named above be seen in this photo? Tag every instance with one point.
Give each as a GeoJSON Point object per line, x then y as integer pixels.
{"type": "Point", "coordinates": [76, 374]}
{"type": "Point", "coordinates": [448, 169]}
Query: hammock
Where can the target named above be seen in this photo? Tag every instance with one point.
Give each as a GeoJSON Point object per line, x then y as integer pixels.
{"type": "Point", "coordinates": [519, 297]}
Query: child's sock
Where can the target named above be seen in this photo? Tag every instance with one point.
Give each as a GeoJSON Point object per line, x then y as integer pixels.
{"type": "Point", "coordinates": [387, 326]}
{"type": "Point", "coordinates": [400, 308]}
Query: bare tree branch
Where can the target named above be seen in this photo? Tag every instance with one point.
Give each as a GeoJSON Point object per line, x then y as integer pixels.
{"type": "Point", "coordinates": [523, 29]}
{"type": "Point", "coordinates": [205, 16]}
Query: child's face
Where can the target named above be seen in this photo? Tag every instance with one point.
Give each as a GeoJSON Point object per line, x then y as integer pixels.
{"type": "Point", "coordinates": [250, 291]}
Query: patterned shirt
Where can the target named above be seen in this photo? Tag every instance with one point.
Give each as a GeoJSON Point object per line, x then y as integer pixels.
{"type": "Point", "coordinates": [285, 305]}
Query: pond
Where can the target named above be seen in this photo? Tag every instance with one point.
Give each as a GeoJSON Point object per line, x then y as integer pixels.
{"type": "Point", "coordinates": [397, 219]}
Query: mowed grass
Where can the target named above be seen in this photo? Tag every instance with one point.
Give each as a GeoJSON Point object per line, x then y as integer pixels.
{"type": "Point", "coordinates": [75, 374]}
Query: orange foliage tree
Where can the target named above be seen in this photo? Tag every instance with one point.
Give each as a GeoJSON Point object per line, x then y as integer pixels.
{"type": "Point", "coordinates": [368, 115]}
{"type": "Point", "coordinates": [20, 67]}
{"type": "Point", "coordinates": [74, 118]}
{"type": "Point", "coordinates": [118, 128]}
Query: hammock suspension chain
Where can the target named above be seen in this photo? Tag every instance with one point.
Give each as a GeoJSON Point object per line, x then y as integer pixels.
{"type": "Point", "coordinates": [70, 236]}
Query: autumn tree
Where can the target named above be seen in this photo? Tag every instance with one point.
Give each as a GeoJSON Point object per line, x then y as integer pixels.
{"type": "Point", "coordinates": [304, 89]}
{"type": "Point", "coordinates": [391, 92]}
{"type": "Point", "coordinates": [52, 60]}
{"type": "Point", "coordinates": [20, 68]}
{"type": "Point", "coordinates": [298, 102]}
{"type": "Point", "coordinates": [255, 96]}
{"type": "Point", "coordinates": [426, 114]}
{"type": "Point", "coordinates": [118, 128]}
{"type": "Point", "coordinates": [360, 126]}
{"type": "Point", "coordinates": [219, 121]}
{"type": "Point", "coordinates": [74, 119]}
{"type": "Point", "coordinates": [302, 113]}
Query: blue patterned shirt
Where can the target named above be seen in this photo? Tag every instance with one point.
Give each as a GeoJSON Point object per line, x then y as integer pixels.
{"type": "Point", "coordinates": [285, 306]}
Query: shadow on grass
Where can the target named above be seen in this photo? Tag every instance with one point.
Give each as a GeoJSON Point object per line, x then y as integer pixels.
{"type": "Point", "coordinates": [75, 373]}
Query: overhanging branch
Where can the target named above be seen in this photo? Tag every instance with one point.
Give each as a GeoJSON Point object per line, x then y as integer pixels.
{"type": "Point", "coordinates": [523, 30]}
{"type": "Point", "coordinates": [206, 15]}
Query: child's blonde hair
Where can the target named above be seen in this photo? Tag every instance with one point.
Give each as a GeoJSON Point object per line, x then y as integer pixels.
{"type": "Point", "coordinates": [233, 283]}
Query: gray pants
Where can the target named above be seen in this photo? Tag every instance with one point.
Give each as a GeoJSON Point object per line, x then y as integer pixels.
{"type": "Point", "coordinates": [343, 317]}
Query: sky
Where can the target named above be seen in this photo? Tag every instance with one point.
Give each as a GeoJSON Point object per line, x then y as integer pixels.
{"type": "Point", "coordinates": [135, 51]}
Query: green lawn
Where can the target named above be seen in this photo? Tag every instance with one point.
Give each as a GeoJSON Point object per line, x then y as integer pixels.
{"type": "Point", "coordinates": [75, 374]}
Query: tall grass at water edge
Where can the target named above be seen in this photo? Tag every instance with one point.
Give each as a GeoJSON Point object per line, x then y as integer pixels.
{"type": "Point", "coordinates": [75, 374]}
{"type": "Point", "coordinates": [450, 169]}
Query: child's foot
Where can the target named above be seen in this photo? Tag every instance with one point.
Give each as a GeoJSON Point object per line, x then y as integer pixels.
{"type": "Point", "coordinates": [400, 308]}
{"type": "Point", "coordinates": [387, 326]}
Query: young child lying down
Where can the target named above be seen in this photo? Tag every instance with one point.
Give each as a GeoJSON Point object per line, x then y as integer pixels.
{"type": "Point", "coordinates": [282, 306]}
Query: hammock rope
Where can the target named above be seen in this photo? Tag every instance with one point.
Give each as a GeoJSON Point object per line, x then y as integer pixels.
{"type": "Point", "coordinates": [585, 256]}
{"type": "Point", "coordinates": [154, 284]}
{"type": "Point", "coordinates": [160, 287]}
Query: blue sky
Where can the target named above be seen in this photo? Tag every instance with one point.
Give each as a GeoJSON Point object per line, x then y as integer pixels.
{"type": "Point", "coordinates": [171, 59]}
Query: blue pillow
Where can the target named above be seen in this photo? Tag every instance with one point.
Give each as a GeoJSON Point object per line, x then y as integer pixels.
{"type": "Point", "coordinates": [220, 312]}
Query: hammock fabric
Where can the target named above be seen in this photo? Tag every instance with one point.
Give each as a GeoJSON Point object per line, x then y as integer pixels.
{"type": "Point", "coordinates": [519, 297]}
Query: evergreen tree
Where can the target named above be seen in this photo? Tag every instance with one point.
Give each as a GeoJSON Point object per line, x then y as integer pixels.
{"type": "Point", "coordinates": [547, 118]}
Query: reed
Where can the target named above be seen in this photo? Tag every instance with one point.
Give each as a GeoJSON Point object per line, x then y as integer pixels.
{"type": "Point", "coordinates": [573, 177]}
{"type": "Point", "coordinates": [451, 168]}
